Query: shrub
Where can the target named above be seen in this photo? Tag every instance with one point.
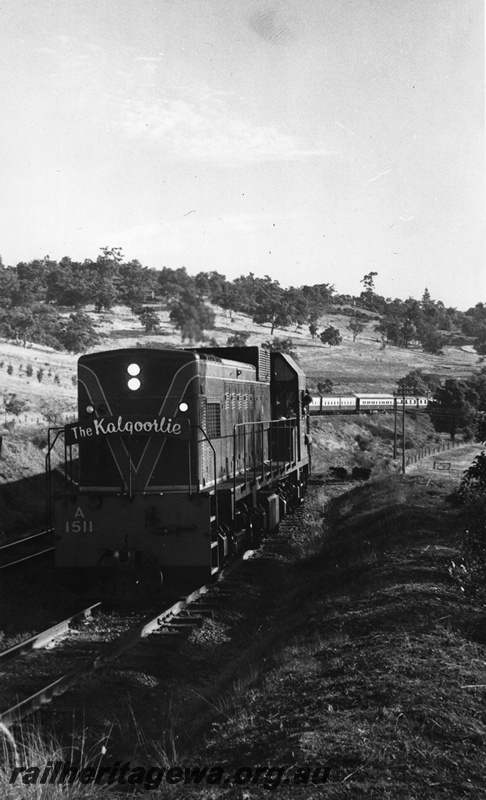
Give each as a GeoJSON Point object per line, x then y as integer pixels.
{"type": "Point", "coordinates": [363, 442]}
{"type": "Point", "coordinates": [471, 573]}
{"type": "Point", "coordinates": [238, 339]}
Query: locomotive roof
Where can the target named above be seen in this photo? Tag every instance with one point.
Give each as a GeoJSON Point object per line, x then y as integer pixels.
{"type": "Point", "coordinates": [173, 355]}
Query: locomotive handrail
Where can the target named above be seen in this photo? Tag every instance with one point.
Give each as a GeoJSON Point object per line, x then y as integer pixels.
{"type": "Point", "coordinates": [215, 465]}
{"type": "Point", "coordinates": [50, 445]}
{"type": "Point", "coordinates": [263, 426]}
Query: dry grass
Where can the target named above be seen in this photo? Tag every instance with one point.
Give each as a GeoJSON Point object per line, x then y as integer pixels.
{"type": "Point", "coordinates": [30, 751]}
{"type": "Point", "coordinates": [379, 668]}
{"type": "Point", "coordinates": [349, 646]}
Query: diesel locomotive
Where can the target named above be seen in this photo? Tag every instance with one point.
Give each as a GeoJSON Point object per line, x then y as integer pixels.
{"type": "Point", "coordinates": [178, 459]}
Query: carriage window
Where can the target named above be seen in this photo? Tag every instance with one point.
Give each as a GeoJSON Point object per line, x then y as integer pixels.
{"type": "Point", "coordinates": [213, 420]}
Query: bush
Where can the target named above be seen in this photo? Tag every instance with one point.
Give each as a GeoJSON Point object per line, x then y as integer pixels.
{"type": "Point", "coordinates": [39, 439]}
{"type": "Point", "coordinates": [363, 442]}
{"type": "Point", "coordinates": [471, 573]}
{"type": "Point", "coordinates": [239, 339]}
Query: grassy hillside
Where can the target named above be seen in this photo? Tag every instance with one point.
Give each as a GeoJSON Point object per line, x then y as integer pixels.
{"type": "Point", "coordinates": [46, 381]}
{"type": "Point", "coordinates": [346, 645]}
{"type": "Point", "coordinates": [376, 664]}
{"type": "Point", "coordinates": [359, 366]}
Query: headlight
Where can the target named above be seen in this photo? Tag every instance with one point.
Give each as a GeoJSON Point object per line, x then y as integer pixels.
{"type": "Point", "coordinates": [133, 369]}
{"type": "Point", "coordinates": [134, 384]}
{"type": "Point", "coordinates": [183, 407]}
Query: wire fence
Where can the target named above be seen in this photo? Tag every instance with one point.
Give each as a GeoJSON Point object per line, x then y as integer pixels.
{"type": "Point", "coordinates": [34, 419]}
{"type": "Point", "coordinates": [431, 449]}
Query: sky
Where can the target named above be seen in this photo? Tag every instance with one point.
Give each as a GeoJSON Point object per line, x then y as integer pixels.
{"type": "Point", "coordinates": [313, 141]}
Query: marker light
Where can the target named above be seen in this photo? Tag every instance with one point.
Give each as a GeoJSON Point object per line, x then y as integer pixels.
{"type": "Point", "coordinates": [183, 407]}
{"type": "Point", "coordinates": [90, 409]}
{"type": "Point", "coordinates": [134, 384]}
{"type": "Point", "coordinates": [133, 369]}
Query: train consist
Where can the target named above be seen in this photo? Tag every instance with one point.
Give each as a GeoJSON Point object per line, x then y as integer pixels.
{"type": "Point", "coordinates": [178, 459]}
{"type": "Point", "coordinates": [365, 403]}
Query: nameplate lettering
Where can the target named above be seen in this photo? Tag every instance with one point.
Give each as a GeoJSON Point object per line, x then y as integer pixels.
{"type": "Point", "coordinates": [76, 432]}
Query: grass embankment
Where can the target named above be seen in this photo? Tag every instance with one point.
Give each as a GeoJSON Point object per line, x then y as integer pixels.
{"type": "Point", "coordinates": [366, 440]}
{"type": "Point", "coordinates": [22, 483]}
{"type": "Point", "coordinates": [377, 663]}
{"type": "Point", "coordinates": [348, 645]}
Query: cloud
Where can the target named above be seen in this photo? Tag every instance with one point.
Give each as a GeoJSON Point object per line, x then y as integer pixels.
{"type": "Point", "coordinates": [204, 127]}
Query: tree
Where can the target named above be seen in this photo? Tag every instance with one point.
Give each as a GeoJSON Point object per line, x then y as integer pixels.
{"type": "Point", "coordinates": [53, 411]}
{"type": "Point", "coordinates": [417, 382]}
{"type": "Point", "coordinates": [283, 345]}
{"type": "Point", "coordinates": [69, 284]}
{"type": "Point", "coordinates": [408, 331]}
{"type": "Point", "coordinates": [432, 341]}
{"type": "Point", "coordinates": [19, 324]}
{"type": "Point", "coordinates": [368, 283]}
{"type": "Point", "coordinates": [331, 336]}
{"type": "Point", "coordinates": [313, 329]}
{"type": "Point", "coordinates": [14, 405]}
{"type": "Point", "coordinates": [325, 387]}
{"type": "Point", "coordinates": [239, 339]}
{"type": "Point", "coordinates": [271, 305]}
{"type": "Point", "coordinates": [355, 327]}
{"type": "Point", "coordinates": [173, 282]}
{"type": "Point", "coordinates": [453, 411]}
{"type": "Point", "coordinates": [77, 333]}
{"type": "Point", "coordinates": [191, 316]}
{"type": "Point", "coordinates": [150, 320]}
{"type": "Point", "coordinates": [471, 574]}
{"type": "Point", "coordinates": [104, 294]}
{"type": "Point", "coordinates": [136, 284]}
{"type": "Point", "coordinates": [480, 345]}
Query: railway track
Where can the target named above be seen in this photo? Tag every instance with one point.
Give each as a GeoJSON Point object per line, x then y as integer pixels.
{"type": "Point", "coordinates": [26, 549]}
{"type": "Point", "coordinates": [53, 661]}
{"type": "Point", "coordinates": [47, 665]}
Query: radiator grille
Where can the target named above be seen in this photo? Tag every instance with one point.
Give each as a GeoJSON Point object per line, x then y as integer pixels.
{"type": "Point", "coordinates": [213, 420]}
{"type": "Point", "coordinates": [263, 364]}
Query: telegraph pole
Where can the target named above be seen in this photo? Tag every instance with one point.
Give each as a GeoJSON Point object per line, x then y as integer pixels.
{"type": "Point", "coordinates": [403, 429]}
{"type": "Point", "coordinates": [395, 427]}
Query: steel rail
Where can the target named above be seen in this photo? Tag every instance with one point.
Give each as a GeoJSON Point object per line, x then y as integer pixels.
{"type": "Point", "coordinates": [123, 643]}
{"type": "Point", "coordinates": [27, 558]}
{"type": "Point", "coordinates": [42, 639]}
{"type": "Point", "coordinates": [25, 539]}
